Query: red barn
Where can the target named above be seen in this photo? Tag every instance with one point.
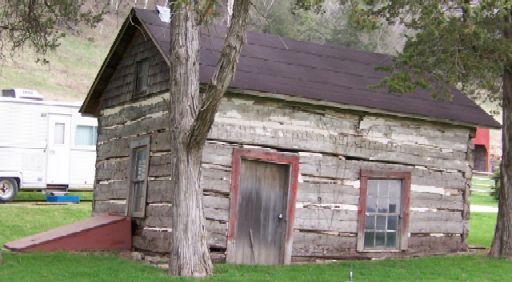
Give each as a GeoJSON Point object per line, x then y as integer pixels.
{"type": "Point", "coordinates": [482, 149]}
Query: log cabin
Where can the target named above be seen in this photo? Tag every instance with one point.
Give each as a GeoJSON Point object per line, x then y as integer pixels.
{"type": "Point", "coordinates": [305, 159]}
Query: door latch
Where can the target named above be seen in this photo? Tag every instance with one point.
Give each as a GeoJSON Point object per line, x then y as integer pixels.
{"type": "Point", "coordinates": [280, 216]}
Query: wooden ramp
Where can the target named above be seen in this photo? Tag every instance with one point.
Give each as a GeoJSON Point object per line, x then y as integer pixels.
{"type": "Point", "coordinates": [98, 233]}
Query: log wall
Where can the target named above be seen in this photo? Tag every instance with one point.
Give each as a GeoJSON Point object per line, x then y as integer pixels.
{"type": "Point", "coordinates": [333, 145]}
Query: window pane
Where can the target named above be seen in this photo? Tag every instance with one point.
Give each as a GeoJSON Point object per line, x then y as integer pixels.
{"type": "Point", "coordinates": [137, 197]}
{"type": "Point", "coordinates": [391, 240]}
{"type": "Point", "coordinates": [381, 223]}
{"type": "Point", "coordinates": [369, 239]}
{"type": "Point", "coordinates": [370, 222]}
{"type": "Point", "coordinates": [383, 188]}
{"type": "Point", "coordinates": [382, 205]}
{"type": "Point", "coordinates": [85, 135]}
{"type": "Point", "coordinates": [58, 133]}
{"type": "Point", "coordinates": [140, 163]}
{"type": "Point", "coordinates": [371, 204]}
{"type": "Point", "coordinates": [392, 223]}
{"type": "Point", "coordinates": [380, 239]}
{"type": "Point", "coordinates": [373, 188]}
{"type": "Point", "coordinates": [395, 187]}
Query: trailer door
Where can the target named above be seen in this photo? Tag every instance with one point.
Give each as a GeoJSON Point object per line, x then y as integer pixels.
{"type": "Point", "coordinates": [58, 148]}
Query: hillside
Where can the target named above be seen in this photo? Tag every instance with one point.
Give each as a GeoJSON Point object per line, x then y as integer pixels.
{"type": "Point", "coordinates": [72, 66]}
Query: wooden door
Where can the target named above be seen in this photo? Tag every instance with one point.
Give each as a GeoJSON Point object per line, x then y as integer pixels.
{"type": "Point", "coordinates": [480, 158]}
{"type": "Point", "coordinates": [262, 207]}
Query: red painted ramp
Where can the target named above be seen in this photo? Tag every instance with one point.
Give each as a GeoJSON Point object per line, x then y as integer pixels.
{"type": "Point", "coordinates": [98, 233]}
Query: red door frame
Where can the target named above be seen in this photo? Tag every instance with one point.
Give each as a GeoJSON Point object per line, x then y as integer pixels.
{"type": "Point", "coordinates": [274, 157]}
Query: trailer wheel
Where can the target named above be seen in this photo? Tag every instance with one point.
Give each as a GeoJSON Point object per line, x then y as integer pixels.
{"type": "Point", "coordinates": [8, 189]}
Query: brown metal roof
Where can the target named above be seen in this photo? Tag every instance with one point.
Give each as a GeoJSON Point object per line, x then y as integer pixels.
{"type": "Point", "coordinates": [277, 65]}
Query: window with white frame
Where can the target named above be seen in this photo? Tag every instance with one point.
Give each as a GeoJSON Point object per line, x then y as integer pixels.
{"type": "Point", "coordinates": [85, 135]}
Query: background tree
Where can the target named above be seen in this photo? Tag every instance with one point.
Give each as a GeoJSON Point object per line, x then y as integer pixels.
{"type": "Point", "coordinates": [40, 24]}
{"type": "Point", "coordinates": [458, 42]}
{"type": "Point", "coordinates": [324, 22]}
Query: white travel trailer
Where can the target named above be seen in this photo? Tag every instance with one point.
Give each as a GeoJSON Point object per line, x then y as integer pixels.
{"type": "Point", "coordinates": [44, 144]}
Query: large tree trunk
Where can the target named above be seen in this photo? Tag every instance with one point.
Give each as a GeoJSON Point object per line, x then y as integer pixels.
{"type": "Point", "coordinates": [191, 117]}
{"type": "Point", "coordinates": [502, 242]}
{"type": "Point", "coordinates": [189, 254]}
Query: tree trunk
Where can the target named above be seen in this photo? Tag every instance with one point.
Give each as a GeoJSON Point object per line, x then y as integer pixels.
{"type": "Point", "coordinates": [189, 254]}
{"type": "Point", "coordinates": [502, 242]}
{"type": "Point", "coordinates": [191, 117]}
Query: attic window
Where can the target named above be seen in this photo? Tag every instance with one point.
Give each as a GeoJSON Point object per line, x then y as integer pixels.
{"type": "Point", "coordinates": [141, 76]}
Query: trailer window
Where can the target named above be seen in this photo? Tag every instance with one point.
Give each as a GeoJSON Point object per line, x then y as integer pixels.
{"type": "Point", "coordinates": [85, 135]}
{"type": "Point", "coordinates": [139, 159]}
{"type": "Point", "coordinates": [58, 133]}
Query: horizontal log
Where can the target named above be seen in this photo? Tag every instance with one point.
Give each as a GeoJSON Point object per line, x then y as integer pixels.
{"type": "Point", "coordinates": [134, 111]}
{"type": "Point", "coordinates": [111, 190]}
{"type": "Point", "coordinates": [326, 220]}
{"type": "Point", "coordinates": [440, 216]}
{"type": "Point", "coordinates": [153, 241]}
{"type": "Point", "coordinates": [321, 245]}
{"type": "Point", "coordinates": [333, 143]}
{"type": "Point", "coordinates": [417, 246]}
{"type": "Point", "coordinates": [159, 242]}
{"type": "Point", "coordinates": [116, 169]}
{"type": "Point", "coordinates": [120, 148]}
{"type": "Point", "coordinates": [405, 132]}
{"type": "Point", "coordinates": [109, 207]}
{"type": "Point", "coordinates": [220, 154]}
{"type": "Point", "coordinates": [159, 191]}
{"type": "Point", "coordinates": [435, 226]}
{"type": "Point", "coordinates": [436, 201]}
{"type": "Point", "coordinates": [325, 193]}
{"type": "Point", "coordinates": [335, 167]}
{"type": "Point", "coordinates": [217, 234]}
{"type": "Point", "coordinates": [215, 180]}
{"type": "Point", "coordinates": [143, 126]}
{"type": "Point", "coordinates": [332, 132]}
{"type": "Point", "coordinates": [159, 215]}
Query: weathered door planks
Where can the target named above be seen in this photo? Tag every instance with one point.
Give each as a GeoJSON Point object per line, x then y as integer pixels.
{"type": "Point", "coordinates": [261, 213]}
{"type": "Point", "coordinates": [262, 207]}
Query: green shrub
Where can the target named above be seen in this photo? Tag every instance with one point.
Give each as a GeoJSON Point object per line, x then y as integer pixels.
{"type": "Point", "coordinates": [497, 184]}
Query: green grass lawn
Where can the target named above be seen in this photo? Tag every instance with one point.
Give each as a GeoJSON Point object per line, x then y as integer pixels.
{"type": "Point", "coordinates": [23, 219]}
{"type": "Point", "coordinates": [481, 189]}
{"type": "Point", "coordinates": [481, 229]}
{"type": "Point", "coordinates": [484, 199]}
{"type": "Point", "coordinates": [482, 183]}
{"type": "Point", "coordinates": [83, 267]}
